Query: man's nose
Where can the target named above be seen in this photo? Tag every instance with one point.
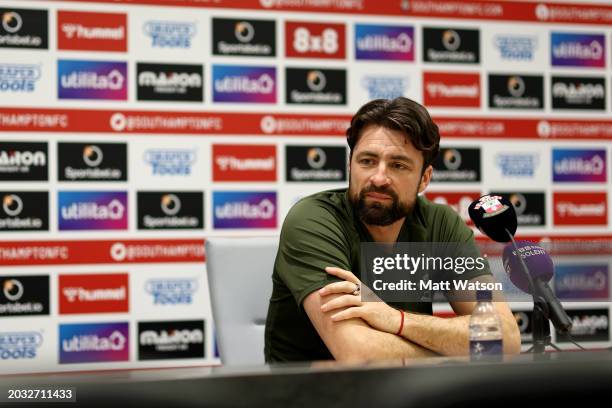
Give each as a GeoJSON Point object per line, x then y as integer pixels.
{"type": "Point", "coordinates": [380, 178]}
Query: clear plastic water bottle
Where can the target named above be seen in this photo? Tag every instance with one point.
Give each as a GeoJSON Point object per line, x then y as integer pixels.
{"type": "Point", "coordinates": [485, 330]}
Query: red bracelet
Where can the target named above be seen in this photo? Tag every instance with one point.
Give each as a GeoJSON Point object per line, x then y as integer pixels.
{"type": "Point", "coordinates": [399, 332]}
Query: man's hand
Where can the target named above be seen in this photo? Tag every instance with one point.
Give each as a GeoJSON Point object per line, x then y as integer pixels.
{"type": "Point", "coordinates": [377, 314]}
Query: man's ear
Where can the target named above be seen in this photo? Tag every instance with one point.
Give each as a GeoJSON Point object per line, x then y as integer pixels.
{"type": "Point", "coordinates": [425, 178]}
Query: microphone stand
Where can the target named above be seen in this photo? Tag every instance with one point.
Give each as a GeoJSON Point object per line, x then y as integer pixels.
{"type": "Point", "coordinates": [540, 319]}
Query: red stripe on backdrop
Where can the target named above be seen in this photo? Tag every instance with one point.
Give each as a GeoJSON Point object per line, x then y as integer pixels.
{"type": "Point", "coordinates": [544, 12]}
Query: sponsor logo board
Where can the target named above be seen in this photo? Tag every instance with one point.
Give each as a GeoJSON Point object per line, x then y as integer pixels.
{"type": "Point", "coordinates": [94, 293]}
{"type": "Point", "coordinates": [256, 38]}
{"type": "Point", "coordinates": [24, 161]}
{"type": "Point", "coordinates": [171, 340]}
{"type": "Point", "coordinates": [24, 295]}
{"type": "Point", "coordinates": [170, 82]}
{"type": "Point", "coordinates": [92, 80]}
{"type": "Point", "coordinates": [92, 210]}
{"type": "Point", "coordinates": [315, 163]}
{"type": "Point", "coordinates": [92, 161]}
{"type": "Point", "coordinates": [24, 211]}
{"type": "Point", "coordinates": [244, 209]}
{"type": "Point", "coordinates": [244, 163]}
{"type": "Point", "coordinates": [170, 210]}
{"type": "Point", "coordinates": [94, 342]}
{"type": "Point", "coordinates": [88, 31]}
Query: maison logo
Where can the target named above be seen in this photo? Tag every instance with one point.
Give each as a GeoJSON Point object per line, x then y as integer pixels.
{"type": "Point", "coordinates": [315, 163]}
{"type": "Point", "coordinates": [384, 42]}
{"type": "Point", "coordinates": [20, 345]}
{"type": "Point", "coordinates": [170, 34]}
{"type": "Point", "coordinates": [86, 31]}
{"type": "Point", "coordinates": [25, 295]}
{"type": "Point", "coordinates": [94, 293]}
{"type": "Point", "coordinates": [93, 342]}
{"type": "Point", "coordinates": [452, 90]}
{"type": "Point", "coordinates": [241, 84]}
{"type": "Point", "coordinates": [315, 86]}
{"type": "Point", "coordinates": [19, 78]}
{"type": "Point", "coordinates": [315, 40]}
{"type": "Point", "coordinates": [172, 291]}
{"type": "Point", "coordinates": [92, 210]}
{"type": "Point", "coordinates": [170, 210]}
{"type": "Point", "coordinates": [255, 38]}
{"type": "Point", "coordinates": [517, 164]}
{"type": "Point", "coordinates": [24, 211]}
{"type": "Point", "coordinates": [23, 161]}
{"type": "Point", "coordinates": [244, 209]}
{"type": "Point", "coordinates": [588, 325]}
{"type": "Point", "coordinates": [516, 91]}
{"type": "Point", "coordinates": [457, 164]}
{"type": "Point", "coordinates": [451, 45]}
{"type": "Point", "coordinates": [170, 82]}
{"type": "Point", "coordinates": [578, 208]}
{"type": "Point", "coordinates": [92, 162]}
{"type": "Point", "coordinates": [170, 162]}
{"type": "Point", "coordinates": [385, 86]}
{"type": "Point", "coordinates": [519, 48]}
{"type": "Point", "coordinates": [244, 162]}
{"type": "Point", "coordinates": [578, 93]}
{"type": "Point", "coordinates": [578, 50]}
{"type": "Point", "coordinates": [575, 165]}
{"type": "Point", "coordinates": [92, 80]}
{"type": "Point", "coordinates": [171, 340]}
{"type": "Point", "coordinates": [24, 28]}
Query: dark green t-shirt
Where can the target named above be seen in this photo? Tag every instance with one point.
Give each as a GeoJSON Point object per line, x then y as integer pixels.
{"type": "Point", "coordinates": [322, 230]}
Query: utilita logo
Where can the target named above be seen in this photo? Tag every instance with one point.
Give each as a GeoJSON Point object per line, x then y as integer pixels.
{"type": "Point", "coordinates": [315, 40]}
{"type": "Point", "coordinates": [519, 48]}
{"type": "Point", "coordinates": [171, 340]}
{"type": "Point", "coordinates": [244, 162]}
{"type": "Point", "coordinates": [170, 82]}
{"type": "Point", "coordinates": [170, 210]}
{"type": "Point", "coordinates": [92, 162]}
{"type": "Point", "coordinates": [19, 78]}
{"type": "Point", "coordinates": [516, 91]}
{"type": "Point", "coordinates": [459, 202]}
{"type": "Point", "coordinates": [84, 31]}
{"type": "Point", "coordinates": [24, 28]}
{"type": "Point", "coordinates": [170, 34]}
{"type": "Point", "coordinates": [24, 211]}
{"type": "Point", "coordinates": [448, 45]}
{"type": "Point", "coordinates": [233, 83]}
{"type": "Point", "coordinates": [24, 295]}
{"type": "Point", "coordinates": [570, 165]}
{"type": "Point", "coordinates": [94, 342]}
{"type": "Point", "coordinates": [452, 90]}
{"type": "Point", "coordinates": [20, 345]}
{"type": "Point", "coordinates": [244, 209]}
{"type": "Point", "coordinates": [580, 208]}
{"type": "Point", "coordinates": [21, 161]}
{"type": "Point", "coordinates": [315, 163]}
{"type": "Point", "coordinates": [170, 162]}
{"type": "Point", "coordinates": [382, 42]}
{"type": "Point", "coordinates": [255, 38]}
{"type": "Point", "coordinates": [99, 293]}
{"type": "Point", "coordinates": [88, 210]}
{"type": "Point", "coordinates": [178, 291]}
{"type": "Point", "coordinates": [578, 50]}
{"type": "Point", "coordinates": [92, 80]}
{"type": "Point", "coordinates": [578, 93]}
{"type": "Point", "coordinates": [582, 282]}
{"type": "Point", "coordinates": [315, 86]}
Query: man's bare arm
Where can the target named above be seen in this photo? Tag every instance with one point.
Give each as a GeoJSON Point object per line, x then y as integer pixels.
{"type": "Point", "coordinates": [450, 336]}
{"type": "Point", "coordinates": [354, 339]}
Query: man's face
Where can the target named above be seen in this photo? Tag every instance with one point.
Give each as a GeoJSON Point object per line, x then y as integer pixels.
{"type": "Point", "coordinates": [385, 176]}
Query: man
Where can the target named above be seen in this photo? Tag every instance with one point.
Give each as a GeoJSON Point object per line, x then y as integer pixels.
{"type": "Point", "coordinates": [314, 313]}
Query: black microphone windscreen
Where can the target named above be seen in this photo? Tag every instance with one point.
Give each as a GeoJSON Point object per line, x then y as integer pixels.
{"type": "Point", "coordinates": [494, 216]}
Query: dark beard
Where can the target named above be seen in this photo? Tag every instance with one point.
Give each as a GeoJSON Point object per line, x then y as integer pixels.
{"type": "Point", "coordinates": [376, 213]}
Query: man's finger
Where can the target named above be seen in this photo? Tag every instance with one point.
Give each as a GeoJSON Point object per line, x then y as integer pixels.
{"type": "Point", "coordinates": [342, 274]}
{"type": "Point", "coordinates": [350, 313]}
{"type": "Point", "coordinates": [338, 287]}
{"type": "Point", "coordinates": [340, 302]}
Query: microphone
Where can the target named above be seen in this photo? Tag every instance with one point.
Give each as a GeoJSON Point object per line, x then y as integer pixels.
{"type": "Point", "coordinates": [541, 270]}
{"type": "Point", "coordinates": [494, 216]}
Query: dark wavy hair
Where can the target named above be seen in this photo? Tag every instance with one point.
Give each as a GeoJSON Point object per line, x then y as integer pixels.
{"type": "Point", "coordinates": [404, 115]}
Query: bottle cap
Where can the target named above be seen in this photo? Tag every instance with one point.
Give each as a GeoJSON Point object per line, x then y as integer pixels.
{"type": "Point", "coordinates": [484, 295]}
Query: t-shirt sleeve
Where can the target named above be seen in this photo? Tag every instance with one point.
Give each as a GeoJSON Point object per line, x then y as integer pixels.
{"type": "Point", "coordinates": [311, 239]}
{"type": "Point", "coordinates": [452, 228]}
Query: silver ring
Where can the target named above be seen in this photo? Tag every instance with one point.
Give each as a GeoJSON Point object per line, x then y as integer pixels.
{"type": "Point", "coordinates": [357, 290]}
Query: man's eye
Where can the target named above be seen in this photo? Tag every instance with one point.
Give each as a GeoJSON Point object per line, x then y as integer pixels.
{"type": "Point", "coordinates": [399, 166]}
{"type": "Point", "coordinates": [366, 162]}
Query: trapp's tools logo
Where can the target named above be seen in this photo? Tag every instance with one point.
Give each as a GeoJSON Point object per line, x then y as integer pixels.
{"type": "Point", "coordinates": [20, 345]}
{"type": "Point", "coordinates": [170, 162]}
{"type": "Point", "coordinates": [92, 80]}
{"type": "Point", "coordinates": [170, 34]}
{"type": "Point", "coordinates": [175, 291]}
{"type": "Point", "coordinates": [244, 209]}
{"type": "Point", "coordinates": [578, 50]}
{"type": "Point", "coordinates": [234, 83]}
{"type": "Point", "coordinates": [19, 78]}
{"type": "Point", "coordinates": [90, 210]}
{"type": "Point", "coordinates": [382, 42]}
